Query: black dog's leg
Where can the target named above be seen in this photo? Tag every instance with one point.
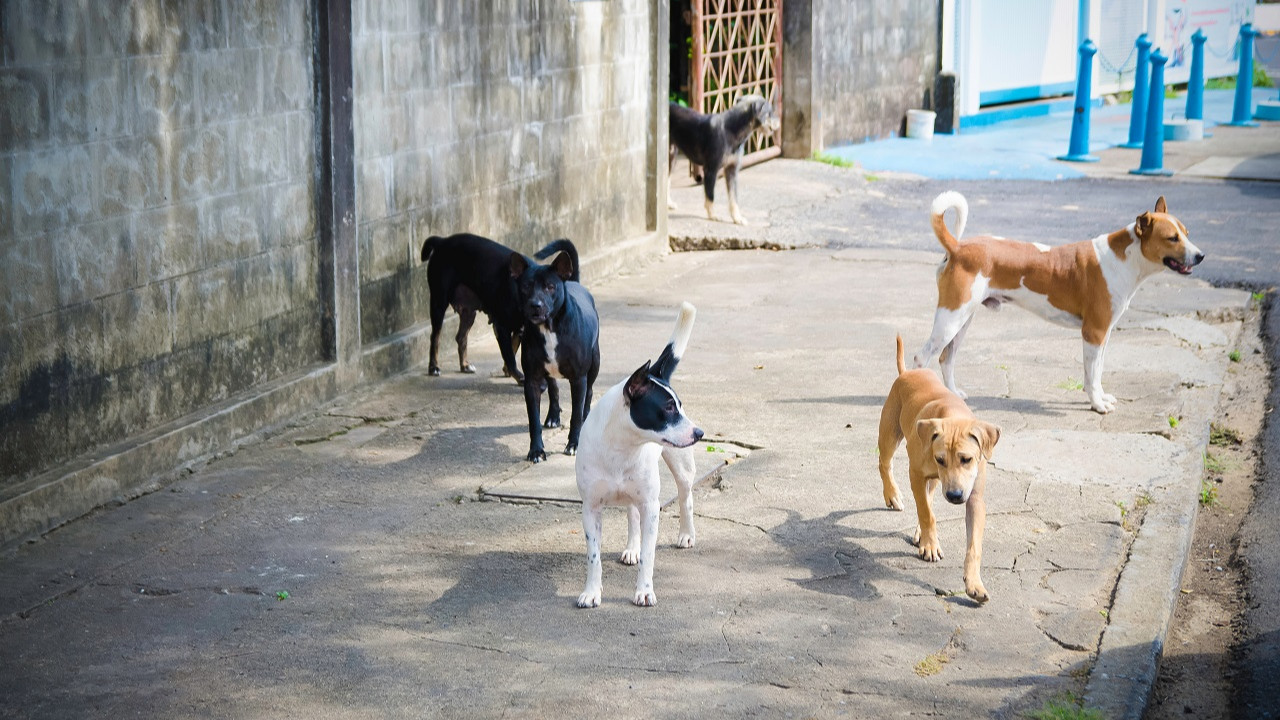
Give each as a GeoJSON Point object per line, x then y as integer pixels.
{"type": "Point", "coordinates": [580, 396]}
{"type": "Point", "coordinates": [533, 398]}
{"type": "Point", "coordinates": [439, 303]}
{"type": "Point", "coordinates": [553, 404]}
{"type": "Point", "coordinates": [466, 318]}
{"type": "Point", "coordinates": [731, 189]}
{"type": "Point", "coordinates": [710, 171]}
{"type": "Point", "coordinates": [508, 343]}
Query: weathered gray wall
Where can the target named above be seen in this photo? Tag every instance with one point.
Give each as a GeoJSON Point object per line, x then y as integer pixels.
{"type": "Point", "coordinates": [157, 222]}
{"type": "Point", "coordinates": [877, 59]}
{"type": "Point", "coordinates": [521, 120]}
{"type": "Point", "coordinates": [851, 70]}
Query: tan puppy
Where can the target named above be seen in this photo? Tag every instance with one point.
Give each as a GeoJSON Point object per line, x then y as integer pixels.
{"type": "Point", "coordinates": [946, 445]}
{"type": "Point", "coordinates": [1085, 285]}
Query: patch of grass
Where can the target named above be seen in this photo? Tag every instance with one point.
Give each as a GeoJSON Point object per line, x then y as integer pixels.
{"type": "Point", "coordinates": [1070, 384]}
{"type": "Point", "coordinates": [1223, 436]}
{"type": "Point", "coordinates": [1208, 494]}
{"type": "Point", "coordinates": [1124, 509]}
{"type": "Point", "coordinates": [1260, 80]}
{"type": "Point", "coordinates": [1143, 500]}
{"type": "Point", "coordinates": [1234, 356]}
{"type": "Point", "coordinates": [1064, 707]}
{"type": "Point", "coordinates": [1213, 464]}
{"type": "Point", "coordinates": [931, 665]}
{"type": "Point", "coordinates": [1258, 297]}
{"type": "Point", "coordinates": [1173, 421]}
{"type": "Point", "coordinates": [833, 160]}
{"type": "Point", "coordinates": [282, 595]}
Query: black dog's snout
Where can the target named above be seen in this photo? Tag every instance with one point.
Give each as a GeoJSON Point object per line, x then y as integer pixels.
{"type": "Point", "coordinates": [955, 497]}
{"type": "Point", "coordinates": [697, 434]}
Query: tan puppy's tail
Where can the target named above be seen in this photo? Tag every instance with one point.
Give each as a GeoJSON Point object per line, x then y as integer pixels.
{"type": "Point", "coordinates": [902, 367]}
{"type": "Point", "coordinates": [947, 201]}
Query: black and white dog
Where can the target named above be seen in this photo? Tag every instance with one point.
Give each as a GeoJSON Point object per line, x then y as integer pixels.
{"type": "Point", "coordinates": [635, 422]}
{"type": "Point", "coordinates": [561, 338]}
{"type": "Point", "coordinates": [715, 142]}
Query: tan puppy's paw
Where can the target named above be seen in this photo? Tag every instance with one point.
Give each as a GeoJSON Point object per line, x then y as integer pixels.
{"type": "Point", "coordinates": [930, 552]}
{"type": "Point", "coordinates": [976, 590]}
{"type": "Point", "coordinates": [893, 501]}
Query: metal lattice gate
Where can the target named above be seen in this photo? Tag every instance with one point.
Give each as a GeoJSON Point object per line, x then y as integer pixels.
{"type": "Point", "coordinates": [737, 50]}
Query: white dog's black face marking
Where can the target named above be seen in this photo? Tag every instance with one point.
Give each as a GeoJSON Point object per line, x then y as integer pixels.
{"type": "Point", "coordinates": [655, 410]}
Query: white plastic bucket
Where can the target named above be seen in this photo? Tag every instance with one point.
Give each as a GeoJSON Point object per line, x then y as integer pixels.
{"type": "Point", "coordinates": [1183, 130]}
{"type": "Point", "coordinates": [920, 124]}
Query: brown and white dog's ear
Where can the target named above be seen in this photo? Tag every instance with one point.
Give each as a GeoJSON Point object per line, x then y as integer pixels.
{"type": "Point", "coordinates": [1160, 206]}
{"type": "Point", "coordinates": [635, 384]}
{"type": "Point", "coordinates": [928, 429]}
{"type": "Point", "coordinates": [563, 265]}
{"type": "Point", "coordinates": [518, 264]}
{"type": "Point", "coordinates": [1143, 224]}
{"type": "Point", "coordinates": [987, 435]}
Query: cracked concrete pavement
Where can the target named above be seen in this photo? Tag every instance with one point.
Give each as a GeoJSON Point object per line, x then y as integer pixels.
{"type": "Point", "coordinates": [409, 596]}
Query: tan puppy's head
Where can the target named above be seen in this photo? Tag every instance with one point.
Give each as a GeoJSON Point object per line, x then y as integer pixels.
{"type": "Point", "coordinates": [960, 447]}
{"type": "Point", "coordinates": [1164, 240]}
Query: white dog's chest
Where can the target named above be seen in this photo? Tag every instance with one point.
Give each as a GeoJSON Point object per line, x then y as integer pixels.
{"type": "Point", "coordinates": [613, 480]}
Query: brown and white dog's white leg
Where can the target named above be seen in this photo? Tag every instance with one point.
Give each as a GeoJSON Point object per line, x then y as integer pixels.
{"type": "Point", "coordinates": [681, 463]}
{"type": "Point", "coordinates": [947, 360]}
{"type": "Point", "coordinates": [947, 324]}
{"type": "Point", "coordinates": [1093, 354]}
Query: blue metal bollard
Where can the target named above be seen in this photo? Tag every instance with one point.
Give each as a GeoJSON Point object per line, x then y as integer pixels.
{"type": "Point", "coordinates": [1195, 83]}
{"type": "Point", "coordinates": [1243, 109]}
{"type": "Point", "coordinates": [1153, 146]}
{"type": "Point", "coordinates": [1078, 150]}
{"type": "Point", "coordinates": [1138, 112]}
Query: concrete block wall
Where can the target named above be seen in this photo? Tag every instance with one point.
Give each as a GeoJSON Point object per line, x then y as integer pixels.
{"type": "Point", "coordinates": [520, 120]}
{"type": "Point", "coordinates": [875, 59]}
{"type": "Point", "coordinates": [157, 215]}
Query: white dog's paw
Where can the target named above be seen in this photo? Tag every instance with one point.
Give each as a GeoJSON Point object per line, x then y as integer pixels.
{"type": "Point", "coordinates": [671, 204]}
{"type": "Point", "coordinates": [686, 540]}
{"type": "Point", "coordinates": [739, 220]}
{"type": "Point", "coordinates": [645, 598]}
{"type": "Point", "coordinates": [629, 556]}
{"type": "Point", "coordinates": [589, 598]}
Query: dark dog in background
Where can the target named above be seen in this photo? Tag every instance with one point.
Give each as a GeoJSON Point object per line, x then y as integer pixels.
{"type": "Point", "coordinates": [561, 338]}
{"type": "Point", "coordinates": [715, 142]}
{"type": "Point", "coordinates": [472, 273]}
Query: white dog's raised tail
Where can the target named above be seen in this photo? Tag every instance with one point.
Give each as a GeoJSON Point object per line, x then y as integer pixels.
{"type": "Point", "coordinates": [684, 327]}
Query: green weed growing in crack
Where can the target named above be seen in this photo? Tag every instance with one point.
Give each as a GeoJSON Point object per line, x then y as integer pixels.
{"type": "Point", "coordinates": [1070, 384]}
{"type": "Point", "coordinates": [1067, 706]}
{"type": "Point", "coordinates": [1234, 356]}
{"type": "Point", "coordinates": [1208, 494]}
{"type": "Point", "coordinates": [1223, 436]}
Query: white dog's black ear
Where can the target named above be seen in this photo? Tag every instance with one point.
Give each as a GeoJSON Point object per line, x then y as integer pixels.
{"type": "Point", "coordinates": [518, 264]}
{"type": "Point", "coordinates": [637, 381]}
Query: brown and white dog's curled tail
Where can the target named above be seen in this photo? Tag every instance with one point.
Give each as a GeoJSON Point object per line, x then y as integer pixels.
{"type": "Point", "coordinates": [902, 366]}
{"type": "Point", "coordinates": [949, 200]}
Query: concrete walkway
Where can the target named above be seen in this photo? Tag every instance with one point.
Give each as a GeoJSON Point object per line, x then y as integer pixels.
{"type": "Point", "coordinates": [358, 563]}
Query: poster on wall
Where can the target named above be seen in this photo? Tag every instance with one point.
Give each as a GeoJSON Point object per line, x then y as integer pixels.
{"type": "Point", "coordinates": [1219, 19]}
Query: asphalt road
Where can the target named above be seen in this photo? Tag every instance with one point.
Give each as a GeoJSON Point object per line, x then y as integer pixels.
{"type": "Point", "coordinates": [1235, 223]}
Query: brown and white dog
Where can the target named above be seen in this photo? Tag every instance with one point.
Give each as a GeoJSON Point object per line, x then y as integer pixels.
{"type": "Point", "coordinates": [947, 446]}
{"type": "Point", "coordinates": [1085, 285]}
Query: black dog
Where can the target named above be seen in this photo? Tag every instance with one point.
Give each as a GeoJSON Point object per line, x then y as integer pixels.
{"type": "Point", "coordinates": [715, 142]}
{"type": "Point", "coordinates": [561, 338]}
{"type": "Point", "coordinates": [471, 273]}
